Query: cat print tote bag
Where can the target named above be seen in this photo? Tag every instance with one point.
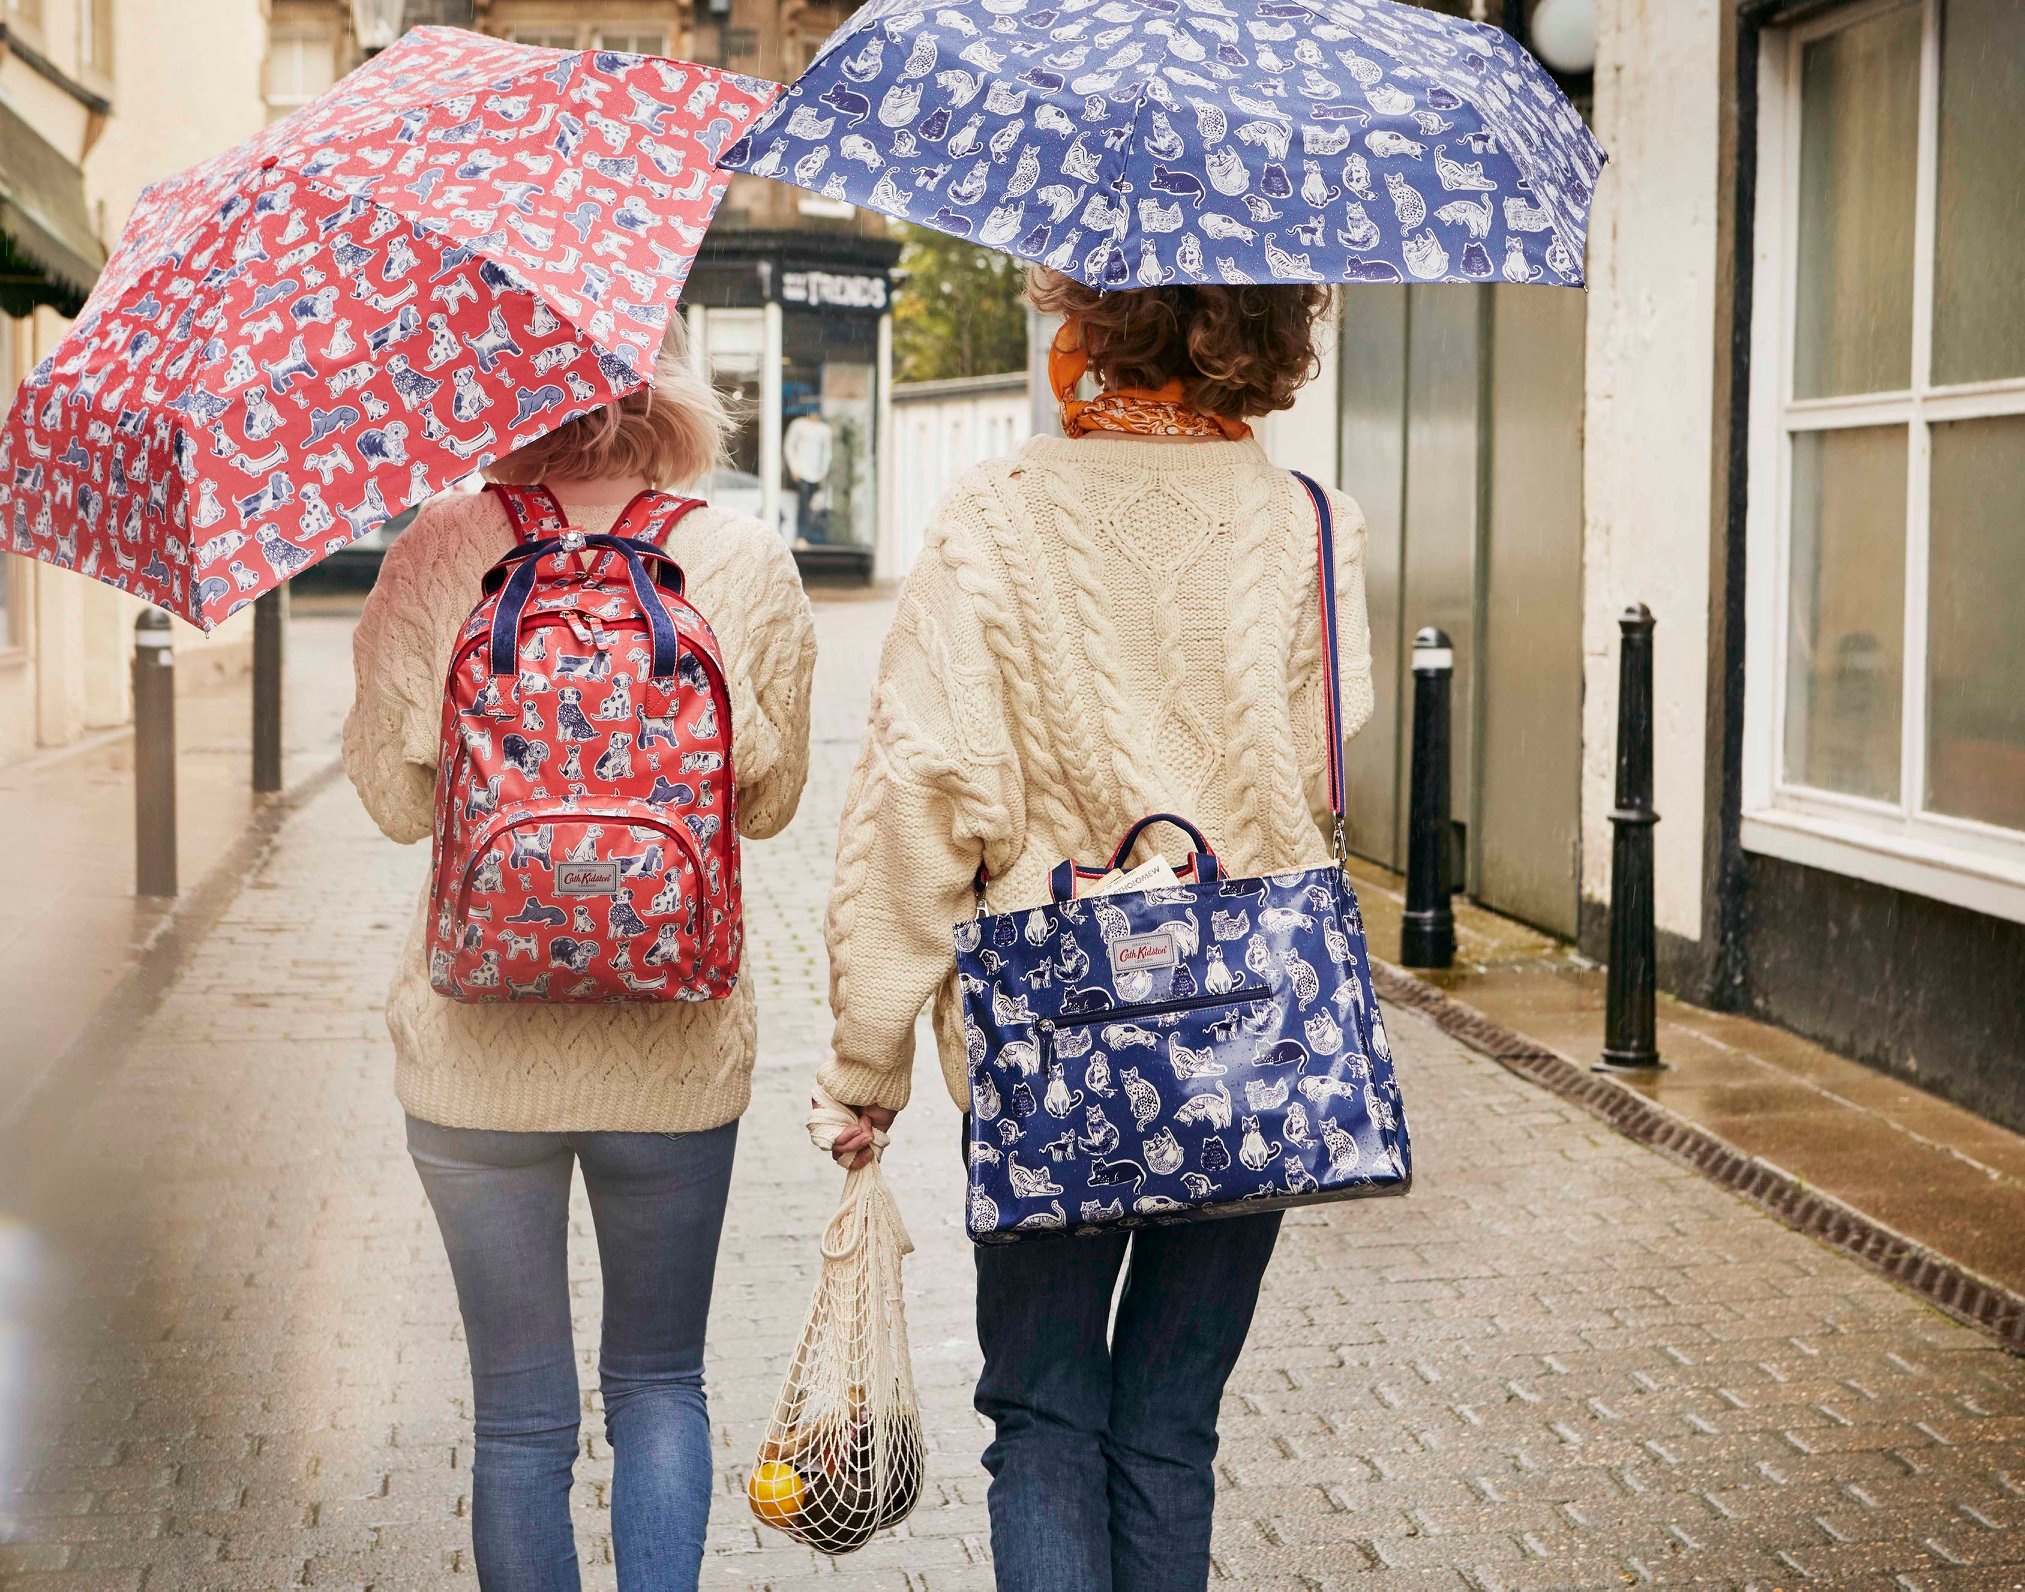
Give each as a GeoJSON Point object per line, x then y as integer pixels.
{"type": "Point", "coordinates": [1204, 1047]}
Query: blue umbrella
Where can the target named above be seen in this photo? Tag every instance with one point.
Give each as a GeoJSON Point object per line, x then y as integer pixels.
{"type": "Point", "coordinates": [1133, 143]}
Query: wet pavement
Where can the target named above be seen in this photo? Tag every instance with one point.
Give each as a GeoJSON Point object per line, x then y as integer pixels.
{"type": "Point", "coordinates": [1564, 1361]}
{"type": "Point", "coordinates": [1912, 1161]}
{"type": "Point", "coordinates": [69, 814]}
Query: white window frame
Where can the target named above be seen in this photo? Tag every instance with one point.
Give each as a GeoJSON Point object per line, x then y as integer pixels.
{"type": "Point", "coordinates": [604, 35]}
{"type": "Point", "coordinates": [548, 36]}
{"type": "Point", "coordinates": [1897, 844]}
{"type": "Point", "coordinates": [295, 38]}
{"type": "Point", "coordinates": [95, 39]}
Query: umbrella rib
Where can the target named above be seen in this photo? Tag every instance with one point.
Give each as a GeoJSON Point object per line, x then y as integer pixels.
{"type": "Point", "coordinates": [1122, 155]}
{"type": "Point", "coordinates": [263, 302]}
{"type": "Point", "coordinates": [444, 239]}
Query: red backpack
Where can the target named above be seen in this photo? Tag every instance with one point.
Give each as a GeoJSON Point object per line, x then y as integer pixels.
{"type": "Point", "coordinates": [586, 845]}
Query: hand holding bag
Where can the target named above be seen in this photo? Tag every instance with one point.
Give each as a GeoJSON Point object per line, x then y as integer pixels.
{"type": "Point", "coordinates": [1210, 1048]}
{"type": "Point", "coordinates": [842, 1458]}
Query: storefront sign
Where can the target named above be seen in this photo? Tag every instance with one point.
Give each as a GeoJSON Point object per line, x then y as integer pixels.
{"type": "Point", "coordinates": [829, 290]}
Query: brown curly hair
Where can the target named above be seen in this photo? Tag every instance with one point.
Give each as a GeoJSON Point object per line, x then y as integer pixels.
{"type": "Point", "coordinates": [1239, 352]}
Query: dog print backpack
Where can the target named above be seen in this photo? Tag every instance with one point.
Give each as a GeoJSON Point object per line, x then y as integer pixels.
{"type": "Point", "coordinates": [585, 845]}
{"type": "Point", "coordinates": [1210, 1047]}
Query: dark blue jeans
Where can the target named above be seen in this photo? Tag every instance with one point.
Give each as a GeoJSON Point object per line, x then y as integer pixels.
{"type": "Point", "coordinates": [657, 1199]}
{"type": "Point", "coordinates": [1101, 1474]}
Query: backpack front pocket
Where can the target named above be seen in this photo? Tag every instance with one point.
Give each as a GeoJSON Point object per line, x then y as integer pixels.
{"type": "Point", "coordinates": [605, 904]}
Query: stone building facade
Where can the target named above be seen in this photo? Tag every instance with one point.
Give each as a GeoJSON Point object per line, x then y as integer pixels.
{"type": "Point", "coordinates": [95, 102]}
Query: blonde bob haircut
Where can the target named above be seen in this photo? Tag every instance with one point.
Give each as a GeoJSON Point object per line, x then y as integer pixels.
{"type": "Point", "coordinates": [671, 430]}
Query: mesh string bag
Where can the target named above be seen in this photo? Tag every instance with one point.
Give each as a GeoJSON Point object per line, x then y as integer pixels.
{"type": "Point", "coordinates": [842, 1458]}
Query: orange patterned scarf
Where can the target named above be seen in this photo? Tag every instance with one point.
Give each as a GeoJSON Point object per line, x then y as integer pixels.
{"type": "Point", "coordinates": [1144, 411]}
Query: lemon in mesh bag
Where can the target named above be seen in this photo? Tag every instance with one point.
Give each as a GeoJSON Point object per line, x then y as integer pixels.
{"type": "Point", "coordinates": [842, 1457]}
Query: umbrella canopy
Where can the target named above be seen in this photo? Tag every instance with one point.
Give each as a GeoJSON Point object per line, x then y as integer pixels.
{"type": "Point", "coordinates": [459, 247]}
{"type": "Point", "coordinates": [1138, 142]}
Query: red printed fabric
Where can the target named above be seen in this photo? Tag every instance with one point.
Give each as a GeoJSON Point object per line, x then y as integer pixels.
{"type": "Point", "coordinates": [586, 845]}
{"type": "Point", "coordinates": [459, 247]}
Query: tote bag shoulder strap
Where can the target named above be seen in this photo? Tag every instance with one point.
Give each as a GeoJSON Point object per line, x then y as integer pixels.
{"type": "Point", "coordinates": [1332, 695]}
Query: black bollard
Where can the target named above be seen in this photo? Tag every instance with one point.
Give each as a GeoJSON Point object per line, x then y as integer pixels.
{"type": "Point", "coordinates": [1630, 1032]}
{"type": "Point", "coordinates": [1427, 933]}
{"type": "Point", "coordinates": [270, 618]}
{"type": "Point", "coordinates": [154, 756]}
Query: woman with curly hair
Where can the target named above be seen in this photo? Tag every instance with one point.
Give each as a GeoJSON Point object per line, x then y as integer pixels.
{"type": "Point", "coordinates": [1118, 621]}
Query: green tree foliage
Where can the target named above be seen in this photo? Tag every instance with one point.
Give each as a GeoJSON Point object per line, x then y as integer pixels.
{"type": "Point", "coordinates": [958, 310]}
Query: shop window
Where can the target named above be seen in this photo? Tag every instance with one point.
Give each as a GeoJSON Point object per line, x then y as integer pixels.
{"type": "Point", "coordinates": [805, 450]}
{"type": "Point", "coordinates": [548, 38]}
{"type": "Point", "coordinates": [1885, 676]}
{"type": "Point", "coordinates": [829, 373]}
{"type": "Point", "coordinates": [300, 66]}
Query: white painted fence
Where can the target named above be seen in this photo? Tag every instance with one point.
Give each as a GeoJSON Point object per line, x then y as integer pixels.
{"type": "Point", "coordinates": [940, 429]}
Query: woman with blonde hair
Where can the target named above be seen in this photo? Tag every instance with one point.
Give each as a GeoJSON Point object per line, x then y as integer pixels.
{"type": "Point", "coordinates": [1120, 621]}
{"type": "Point", "coordinates": [503, 1101]}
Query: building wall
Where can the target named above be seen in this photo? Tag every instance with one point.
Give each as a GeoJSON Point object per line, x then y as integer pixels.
{"type": "Point", "coordinates": [773, 39]}
{"type": "Point", "coordinates": [186, 84]}
{"type": "Point", "coordinates": [655, 27]}
{"type": "Point", "coordinates": [159, 126]}
{"type": "Point", "coordinates": [49, 693]}
{"type": "Point", "coordinates": [68, 674]}
{"type": "Point", "coordinates": [1648, 420]}
{"type": "Point", "coordinates": [1846, 948]}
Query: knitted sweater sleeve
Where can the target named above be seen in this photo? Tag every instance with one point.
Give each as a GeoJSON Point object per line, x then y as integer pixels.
{"type": "Point", "coordinates": [772, 723]}
{"type": "Point", "coordinates": [935, 791]}
{"type": "Point", "coordinates": [1353, 655]}
{"type": "Point", "coordinates": [399, 651]}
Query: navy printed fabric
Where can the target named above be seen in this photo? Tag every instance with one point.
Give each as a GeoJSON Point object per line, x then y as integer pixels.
{"type": "Point", "coordinates": [1133, 143]}
{"type": "Point", "coordinates": [1197, 1050]}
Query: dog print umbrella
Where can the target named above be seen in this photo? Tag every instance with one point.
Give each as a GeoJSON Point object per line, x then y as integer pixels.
{"type": "Point", "coordinates": [457, 248]}
{"type": "Point", "coordinates": [1132, 143]}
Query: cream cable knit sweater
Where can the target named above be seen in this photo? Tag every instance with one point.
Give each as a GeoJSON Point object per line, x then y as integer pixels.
{"type": "Point", "coordinates": [1095, 630]}
{"type": "Point", "coordinates": [665, 1068]}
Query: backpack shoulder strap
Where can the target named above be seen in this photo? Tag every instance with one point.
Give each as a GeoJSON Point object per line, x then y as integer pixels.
{"type": "Point", "coordinates": [655, 519]}
{"type": "Point", "coordinates": [533, 511]}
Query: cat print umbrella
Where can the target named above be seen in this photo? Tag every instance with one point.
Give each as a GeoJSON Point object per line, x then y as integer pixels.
{"type": "Point", "coordinates": [1132, 143]}
{"type": "Point", "coordinates": [457, 248]}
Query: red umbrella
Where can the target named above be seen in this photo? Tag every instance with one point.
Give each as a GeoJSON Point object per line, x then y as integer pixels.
{"type": "Point", "coordinates": [459, 247]}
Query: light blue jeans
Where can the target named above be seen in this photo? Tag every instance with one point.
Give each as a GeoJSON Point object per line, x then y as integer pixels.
{"type": "Point", "coordinates": [502, 1202]}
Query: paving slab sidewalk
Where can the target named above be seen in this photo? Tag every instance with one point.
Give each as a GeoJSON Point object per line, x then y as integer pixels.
{"type": "Point", "coordinates": [1563, 1361]}
{"type": "Point", "coordinates": [68, 821]}
{"type": "Point", "coordinates": [1917, 1164]}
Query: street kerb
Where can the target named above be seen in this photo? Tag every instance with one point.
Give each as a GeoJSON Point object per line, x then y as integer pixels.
{"type": "Point", "coordinates": [1945, 1284]}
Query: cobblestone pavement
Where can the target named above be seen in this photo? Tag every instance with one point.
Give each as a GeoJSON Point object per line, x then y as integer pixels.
{"type": "Point", "coordinates": [1563, 1362]}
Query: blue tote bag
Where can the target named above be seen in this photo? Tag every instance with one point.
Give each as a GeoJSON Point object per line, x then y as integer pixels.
{"type": "Point", "coordinates": [1209, 1048]}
